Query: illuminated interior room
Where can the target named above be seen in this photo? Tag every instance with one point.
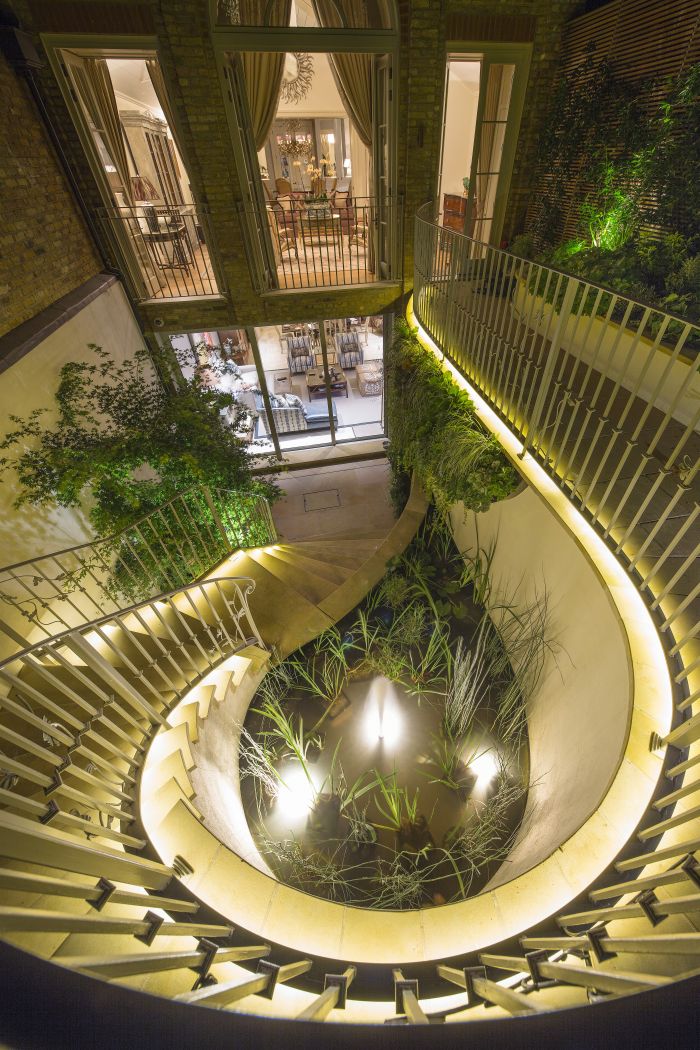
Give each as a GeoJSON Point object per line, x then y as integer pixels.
{"type": "Point", "coordinates": [349, 668]}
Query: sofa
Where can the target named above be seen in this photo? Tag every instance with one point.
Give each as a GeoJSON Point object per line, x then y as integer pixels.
{"type": "Point", "coordinates": [301, 417]}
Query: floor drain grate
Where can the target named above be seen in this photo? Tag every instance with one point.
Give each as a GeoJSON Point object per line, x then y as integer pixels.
{"type": "Point", "coordinates": [323, 500]}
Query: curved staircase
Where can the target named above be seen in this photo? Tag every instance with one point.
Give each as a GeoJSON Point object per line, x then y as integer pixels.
{"type": "Point", "coordinates": [79, 712]}
{"type": "Point", "coordinates": [99, 906]}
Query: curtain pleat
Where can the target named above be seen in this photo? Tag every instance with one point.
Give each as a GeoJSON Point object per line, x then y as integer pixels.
{"type": "Point", "coordinates": [263, 70]}
{"type": "Point", "coordinates": [352, 72]}
{"type": "Point", "coordinates": [105, 116]}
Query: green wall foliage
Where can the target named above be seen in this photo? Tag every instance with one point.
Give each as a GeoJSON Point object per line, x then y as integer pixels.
{"type": "Point", "coordinates": [434, 431]}
{"type": "Point", "coordinates": [124, 442]}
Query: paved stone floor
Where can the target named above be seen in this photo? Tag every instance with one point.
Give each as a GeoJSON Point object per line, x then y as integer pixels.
{"type": "Point", "coordinates": [345, 500]}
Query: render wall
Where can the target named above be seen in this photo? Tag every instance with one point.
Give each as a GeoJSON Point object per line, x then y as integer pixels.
{"type": "Point", "coordinates": [30, 383]}
{"type": "Point", "coordinates": [578, 719]}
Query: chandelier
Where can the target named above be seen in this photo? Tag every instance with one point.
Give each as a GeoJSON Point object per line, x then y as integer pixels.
{"type": "Point", "coordinates": [295, 143]}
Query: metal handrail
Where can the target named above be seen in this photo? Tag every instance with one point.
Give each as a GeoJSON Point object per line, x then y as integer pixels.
{"type": "Point", "coordinates": [166, 547]}
{"type": "Point", "coordinates": [243, 586]}
{"type": "Point", "coordinates": [609, 409]}
{"type": "Point", "coordinates": [110, 537]}
{"type": "Point", "coordinates": [431, 208]}
{"type": "Point", "coordinates": [162, 249]}
{"type": "Point", "coordinates": [319, 244]}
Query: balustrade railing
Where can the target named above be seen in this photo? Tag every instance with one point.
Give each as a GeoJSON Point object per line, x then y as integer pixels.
{"type": "Point", "coordinates": [161, 249]}
{"type": "Point", "coordinates": [80, 706]}
{"type": "Point", "coordinates": [603, 390]}
{"type": "Point", "coordinates": [322, 244]}
{"type": "Point", "coordinates": [166, 549]}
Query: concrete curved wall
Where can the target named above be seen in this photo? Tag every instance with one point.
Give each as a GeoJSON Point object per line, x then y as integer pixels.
{"type": "Point", "coordinates": [580, 714]}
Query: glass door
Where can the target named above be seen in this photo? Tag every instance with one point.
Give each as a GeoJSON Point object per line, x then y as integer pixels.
{"type": "Point", "coordinates": [484, 94]}
{"type": "Point", "coordinates": [257, 218]}
{"type": "Point", "coordinates": [486, 195]}
{"type": "Point", "coordinates": [381, 242]}
{"type": "Point", "coordinates": [112, 172]}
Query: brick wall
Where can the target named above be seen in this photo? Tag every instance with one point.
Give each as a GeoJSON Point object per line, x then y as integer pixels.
{"type": "Point", "coordinates": [45, 248]}
{"type": "Point", "coordinates": [188, 61]}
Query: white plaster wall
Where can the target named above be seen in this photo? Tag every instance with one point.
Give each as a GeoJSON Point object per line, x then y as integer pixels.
{"type": "Point", "coordinates": [31, 383]}
{"type": "Point", "coordinates": [322, 100]}
{"type": "Point", "coordinates": [460, 121]}
{"type": "Point", "coordinates": [578, 718]}
{"type": "Point", "coordinates": [640, 366]}
{"type": "Point", "coordinates": [215, 776]}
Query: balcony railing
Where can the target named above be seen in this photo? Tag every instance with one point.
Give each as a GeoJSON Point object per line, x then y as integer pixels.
{"type": "Point", "coordinates": [176, 543]}
{"type": "Point", "coordinates": [318, 244]}
{"type": "Point", "coordinates": [161, 249]}
{"type": "Point", "coordinates": [604, 391]}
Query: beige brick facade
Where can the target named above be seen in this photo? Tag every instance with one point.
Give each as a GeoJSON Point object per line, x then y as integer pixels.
{"type": "Point", "coordinates": [187, 56]}
{"type": "Point", "coordinates": [45, 248]}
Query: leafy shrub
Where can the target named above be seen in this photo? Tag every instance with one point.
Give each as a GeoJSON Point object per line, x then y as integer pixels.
{"type": "Point", "coordinates": [435, 433]}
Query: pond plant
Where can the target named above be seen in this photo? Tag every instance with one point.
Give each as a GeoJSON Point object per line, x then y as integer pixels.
{"type": "Point", "coordinates": [466, 662]}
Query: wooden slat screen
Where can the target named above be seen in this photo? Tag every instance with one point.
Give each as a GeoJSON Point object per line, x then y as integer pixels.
{"type": "Point", "coordinates": [512, 29]}
{"type": "Point", "coordinates": [72, 16]}
{"type": "Point", "coordinates": [642, 39]}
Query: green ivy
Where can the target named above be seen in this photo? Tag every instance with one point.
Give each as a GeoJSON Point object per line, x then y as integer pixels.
{"type": "Point", "coordinates": [640, 220]}
{"type": "Point", "coordinates": [126, 441]}
{"type": "Point", "coordinates": [434, 431]}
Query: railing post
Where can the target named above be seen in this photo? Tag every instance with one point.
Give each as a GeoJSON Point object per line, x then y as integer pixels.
{"type": "Point", "coordinates": [406, 999]}
{"type": "Point", "coordinates": [550, 364]}
{"type": "Point", "coordinates": [215, 514]}
{"type": "Point", "coordinates": [333, 997]}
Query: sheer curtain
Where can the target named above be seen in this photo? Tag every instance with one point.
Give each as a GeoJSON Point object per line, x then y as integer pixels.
{"type": "Point", "coordinates": [105, 116]}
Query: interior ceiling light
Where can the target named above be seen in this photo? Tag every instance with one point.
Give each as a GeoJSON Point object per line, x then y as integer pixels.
{"type": "Point", "coordinates": [296, 86]}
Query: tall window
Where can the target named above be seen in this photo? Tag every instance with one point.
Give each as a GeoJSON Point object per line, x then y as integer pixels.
{"type": "Point", "coordinates": [312, 132]}
{"type": "Point", "coordinates": [150, 218]}
{"type": "Point", "coordinates": [304, 384]}
{"type": "Point", "coordinates": [483, 105]}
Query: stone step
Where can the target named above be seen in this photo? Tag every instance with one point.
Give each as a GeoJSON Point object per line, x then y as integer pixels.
{"type": "Point", "coordinates": [284, 617]}
{"type": "Point", "coordinates": [335, 574]}
{"type": "Point", "coordinates": [309, 584]}
{"type": "Point", "coordinates": [348, 553]}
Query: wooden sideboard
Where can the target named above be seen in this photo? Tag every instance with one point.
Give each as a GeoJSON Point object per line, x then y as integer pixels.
{"type": "Point", "coordinates": [454, 213]}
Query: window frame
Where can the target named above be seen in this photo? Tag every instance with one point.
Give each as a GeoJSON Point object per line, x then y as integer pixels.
{"type": "Point", "coordinates": [489, 53]}
{"type": "Point", "coordinates": [90, 45]}
{"type": "Point", "coordinates": [227, 39]}
{"type": "Point", "coordinates": [388, 317]}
